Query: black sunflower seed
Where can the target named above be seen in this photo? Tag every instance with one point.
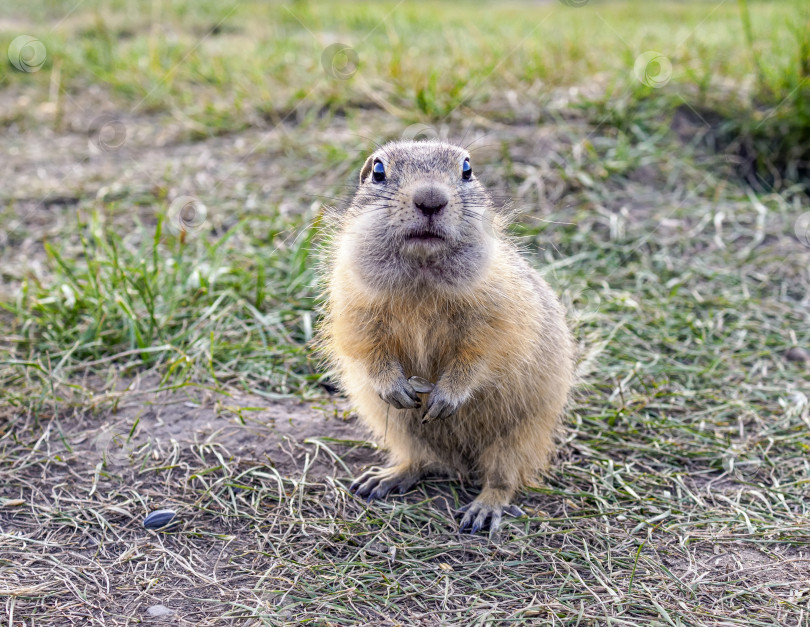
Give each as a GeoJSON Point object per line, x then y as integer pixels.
{"type": "Point", "coordinates": [161, 519]}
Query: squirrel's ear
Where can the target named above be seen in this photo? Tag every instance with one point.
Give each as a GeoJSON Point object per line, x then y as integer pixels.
{"type": "Point", "coordinates": [365, 172]}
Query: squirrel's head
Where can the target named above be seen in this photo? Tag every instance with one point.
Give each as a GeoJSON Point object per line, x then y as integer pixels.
{"type": "Point", "coordinates": [420, 217]}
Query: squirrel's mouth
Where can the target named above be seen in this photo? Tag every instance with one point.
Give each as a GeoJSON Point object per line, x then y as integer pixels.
{"type": "Point", "coordinates": [424, 235]}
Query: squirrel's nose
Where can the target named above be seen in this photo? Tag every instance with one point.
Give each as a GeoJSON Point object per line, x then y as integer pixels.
{"type": "Point", "coordinates": [430, 200]}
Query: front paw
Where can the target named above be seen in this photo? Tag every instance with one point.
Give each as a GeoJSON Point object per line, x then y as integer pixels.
{"type": "Point", "coordinates": [440, 405]}
{"type": "Point", "coordinates": [401, 395]}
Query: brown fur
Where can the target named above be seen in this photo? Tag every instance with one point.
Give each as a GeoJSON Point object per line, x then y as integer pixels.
{"type": "Point", "coordinates": [491, 336]}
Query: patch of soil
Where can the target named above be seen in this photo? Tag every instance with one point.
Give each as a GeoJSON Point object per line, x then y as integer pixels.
{"type": "Point", "coordinates": [278, 432]}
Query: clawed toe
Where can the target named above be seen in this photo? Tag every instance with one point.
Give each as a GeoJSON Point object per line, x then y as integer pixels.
{"type": "Point", "coordinates": [377, 483]}
{"type": "Point", "coordinates": [514, 511]}
{"type": "Point", "coordinates": [477, 515]}
{"type": "Point", "coordinates": [365, 483]}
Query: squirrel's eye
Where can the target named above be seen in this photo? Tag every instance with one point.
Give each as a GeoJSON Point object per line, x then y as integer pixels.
{"type": "Point", "coordinates": [466, 170]}
{"type": "Point", "coordinates": [378, 172]}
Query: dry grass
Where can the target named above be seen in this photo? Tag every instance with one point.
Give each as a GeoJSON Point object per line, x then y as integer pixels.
{"type": "Point", "coordinates": [642, 535]}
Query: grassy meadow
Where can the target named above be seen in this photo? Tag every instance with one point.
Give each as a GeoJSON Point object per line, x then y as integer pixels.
{"type": "Point", "coordinates": [658, 156]}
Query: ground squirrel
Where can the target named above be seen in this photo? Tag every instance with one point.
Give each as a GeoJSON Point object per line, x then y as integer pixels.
{"type": "Point", "coordinates": [422, 281]}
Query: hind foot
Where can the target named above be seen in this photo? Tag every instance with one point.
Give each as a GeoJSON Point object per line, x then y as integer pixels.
{"type": "Point", "coordinates": [377, 483]}
{"type": "Point", "coordinates": [487, 509]}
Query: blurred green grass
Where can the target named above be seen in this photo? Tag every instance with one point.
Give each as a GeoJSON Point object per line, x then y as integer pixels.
{"type": "Point", "coordinates": [426, 60]}
{"type": "Point", "coordinates": [741, 67]}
